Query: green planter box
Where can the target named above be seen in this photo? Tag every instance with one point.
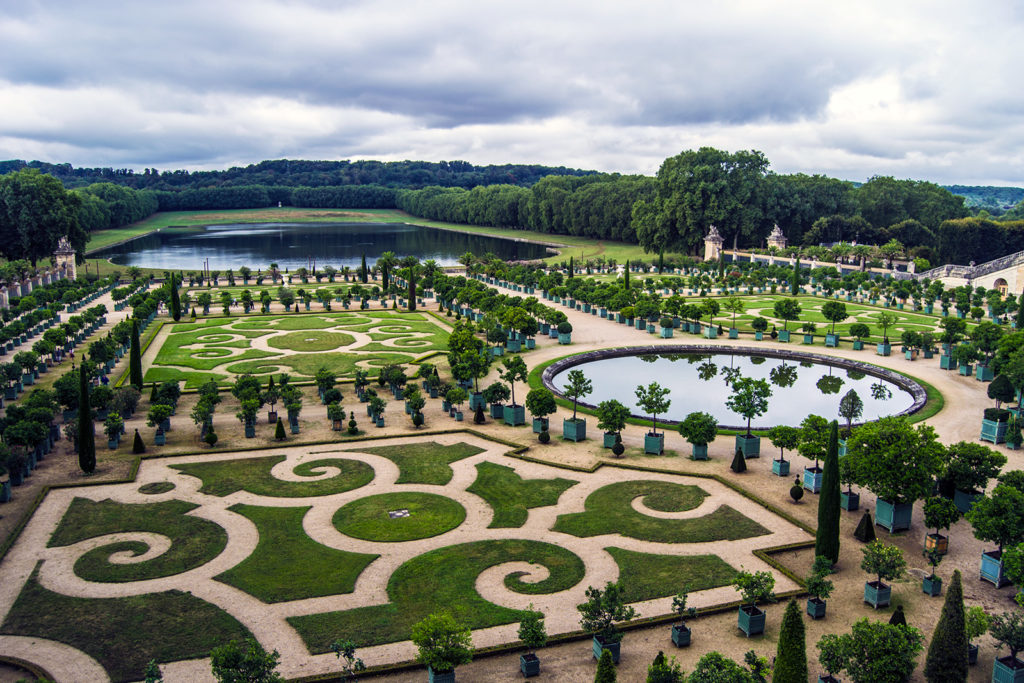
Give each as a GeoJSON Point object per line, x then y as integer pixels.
{"type": "Point", "coordinates": [681, 635]}
{"type": "Point", "coordinates": [877, 594]}
{"type": "Point", "coordinates": [758, 336]}
{"type": "Point", "coordinates": [964, 500]}
{"type": "Point", "coordinates": [540, 424]}
{"type": "Point", "coordinates": [514, 415]}
{"type": "Point", "coordinates": [858, 345]}
{"type": "Point", "coordinates": [992, 568]}
{"type": "Point", "coordinates": [931, 586]}
{"type": "Point", "coordinates": [599, 646]}
{"type": "Point", "coordinates": [497, 411]}
{"type": "Point", "coordinates": [666, 333]}
{"type": "Point", "coordinates": [440, 676]}
{"type": "Point", "coordinates": [750, 445]}
{"type": "Point", "coordinates": [832, 340]}
{"type": "Point", "coordinates": [816, 608]}
{"type": "Point", "coordinates": [529, 665]}
{"type": "Point", "coordinates": [780, 468]}
{"type": "Point", "coordinates": [574, 430]}
{"type": "Point", "coordinates": [808, 339]}
{"type": "Point", "coordinates": [564, 338]}
{"type": "Point", "coordinates": [883, 349]}
{"type": "Point", "coordinates": [893, 516]}
{"type": "Point", "coordinates": [812, 479]}
{"type": "Point", "coordinates": [849, 501]}
{"type": "Point", "coordinates": [983, 373]}
{"type": "Point", "coordinates": [710, 332]}
{"type": "Point", "coordinates": [946, 362]}
{"type": "Point", "coordinates": [734, 333]}
{"type": "Point", "coordinates": [751, 620]}
{"type": "Point", "coordinates": [1007, 670]}
{"type": "Point", "coordinates": [609, 439]}
{"type": "Point", "coordinates": [993, 431]}
{"type": "Point", "coordinates": [784, 336]}
{"type": "Point", "coordinates": [966, 370]}
{"type": "Point", "coordinates": [476, 399]}
{"type": "Point", "coordinates": [699, 452]}
{"type": "Point", "coordinates": [654, 444]}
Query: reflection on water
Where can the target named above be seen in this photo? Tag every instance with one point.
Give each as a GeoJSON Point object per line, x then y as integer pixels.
{"type": "Point", "coordinates": [291, 245]}
{"type": "Point", "coordinates": [704, 382]}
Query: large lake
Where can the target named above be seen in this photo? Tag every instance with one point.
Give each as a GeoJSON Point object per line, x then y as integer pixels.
{"type": "Point", "coordinates": [291, 245]}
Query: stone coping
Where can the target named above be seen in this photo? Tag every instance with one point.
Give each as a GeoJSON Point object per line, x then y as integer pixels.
{"type": "Point", "coordinates": [916, 390]}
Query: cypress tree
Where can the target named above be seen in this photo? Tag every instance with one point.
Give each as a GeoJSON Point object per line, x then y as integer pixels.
{"type": "Point", "coordinates": [739, 463]}
{"type": "Point", "coordinates": [135, 358]}
{"type": "Point", "coordinates": [572, 268]}
{"type": "Point", "coordinates": [791, 658]}
{"type": "Point", "coordinates": [947, 654]}
{"type": "Point", "coordinates": [865, 531]}
{"type": "Point", "coordinates": [137, 445]}
{"type": "Point", "coordinates": [362, 271]}
{"type": "Point", "coordinates": [826, 541]}
{"type": "Point", "coordinates": [661, 261]}
{"type": "Point", "coordinates": [605, 668]}
{"type": "Point", "coordinates": [175, 299]}
{"type": "Point", "coordinates": [794, 286]}
{"type": "Point", "coordinates": [279, 431]}
{"type": "Point", "coordinates": [86, 443]}
{"type": "Point", "coordinates": [625, 277]}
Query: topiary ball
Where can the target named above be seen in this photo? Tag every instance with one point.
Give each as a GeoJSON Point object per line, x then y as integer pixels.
{"type": "Point", "coordinates": [417, 419]}
{"type": "Point", "coordinates": [544, 436]}
{"type": "Point", "coordinates": [618, 449]}
{"type": "Point", "coordinates": [796, 491]}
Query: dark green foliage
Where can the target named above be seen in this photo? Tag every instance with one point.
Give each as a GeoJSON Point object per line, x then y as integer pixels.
{"type": "Point", "coordinates": [363, 272]}
{"type": "Point", "coordinates": [478, 416]}
{"type": "Point", "coordinates": [279, 430]}
{"type": "Point", "coordinates": [716, 668]}
{"type": "Point", "coordinates": [865, 531]}
{"type": "Point", "coordinates": [826, 541]}
{"type": "Point", "coordinates": [246, 663]}
{"type": "Point", "coordinates": [739, 463]}
{"type": "Point", "coordinates": [794, 286]}
{"type": "Point", "coordinates": [86, 440]}
{"type": "Point", "coordinates": [898, 618]}
{"type": "Point", "coordinates": [175, 299]}
{"type": "Point", "coordinates": [135, 358]}
{"type": "Point", "coordinates": [796, 491]}
{"type": "Point", "coordinates": [947, 654]}
{"type": "Point", "coordinates": [137, 445]}
{"type": "Point", "coordinates": [791, 659]}
{"type": "Point", "coordinates": [663, 670]}
{"type": "Point", "coordinates": [1001, 389]}
{"type": "Point", "coordinates": [605, 669]}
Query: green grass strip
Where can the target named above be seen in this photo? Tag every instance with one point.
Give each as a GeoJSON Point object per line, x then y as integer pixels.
{"type": "Point", "coordinates": [429, 515]}
{"type": "Point", "coordinates": [289, 565]}
{"type": "Point", "coordinates": [224, 477]}
{"type": "Point", "coordinates": [194, 541]}
{"type": "Point", "coordinates": [609, 511]}
{"type": "Point", "coordinates": [443, 579]}
{"type": "Point", "coordinates": [646, 576]}
{"type": "Point", "coordinates": [424, 463]}
{"type": "Point", "coordinates": [511, 496]}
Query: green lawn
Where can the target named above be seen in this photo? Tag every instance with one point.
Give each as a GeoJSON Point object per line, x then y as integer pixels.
{"type": "Point", "coordinates": [443, 579]}
{"type": "Point", "coordinates": [424, 463]}
{"type": "Point", "coordinates": [289, 565]}
{"type": "Point", "coordinates": [646, 576]}
{"type": "Point", "coordinates": [224, 477]}
{"type": "Point", "coordinates": [194, 541]}
{"type": "Point", "coordinates": [429, 515]}
{"type": "Point", "coordinates": [123, 634]}
{"type": "Point", "coordinates": [511, 496]}
{"type": "Point", "coordinates": [608, 511]}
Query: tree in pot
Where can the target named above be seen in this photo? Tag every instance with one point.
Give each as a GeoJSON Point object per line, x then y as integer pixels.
{"type": "Point", "coordinates": [533, 636]}
{"type": "Point", "coordinates": [541, 403]}
{"type": "Point", "coordinates": [749, 399]}
{"type": "Point", "coordinates": [598, 615]}
{"type": "Point", "coordinates": [1008, 629]}
{"type": "Point", "coordinates": [897, 462]}
{"type": "Point", "coordinates": [969, 467]}
{"type": "Point", "coordinates": [653, 399]}
{"type": "Point", "coordinates": [335, 415]}
{"type": "Point", "coordinates": [887, 563]}
{"type": "Point", "coordinates": [786, 310]}
{"type": "Point", "coordinates": [612, 416]}
{"type": "Point", "coordinates": [495, 395]}
{"type": "Point", "coordinates": [443, 644]}
{"type": "Point", "coordinates": [754, 587]}
{"type": "Point", "coordinates": [834, 312]}
{"type": "Point", "coordinates": [513, 370]}
{"type": "Point", "coordinates": [157, 415]}
{"type": "Point", "coordinates": [681, 632]}
{"type": "Point", "coordinates": [1013, 568]}
{"type": "Point", "coordinates": [885, 321]}
{"type": "Point", "coordinates": [699, 429]}
{"type": "Point", "coordinates": [873, 652]}
{"type": "Point", "coordinates": [939, 513]}
{"type": "Point", "coordinates": [976, 624]}
{"type": "Point", "coordinates": [818, 586]}
{"type": "Point", "coordinates": [814, 436]}
{"type": "Point", "coordinates": [783, 437]}
{"type": "Point", "coordinates": [578, 387]}
{"type": "Point", "coordinates": [998, 518]}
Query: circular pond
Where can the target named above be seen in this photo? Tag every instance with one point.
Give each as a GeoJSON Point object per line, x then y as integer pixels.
{"type": "Point", "coordinates": [700, 379]}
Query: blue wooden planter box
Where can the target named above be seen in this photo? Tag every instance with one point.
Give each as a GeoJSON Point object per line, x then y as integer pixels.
{"type": "Point", "coordinates": [710, 332]}
{"type": "Point", "coordinates": [808, 339]}
{"type": "Point", "coordinates": [654, 444]}
{"type": "Point", "coordinates": [440, 676]}
{"type": "Point", "coordinates": [812, 479]}
{"type": "Point", "coordinates": [540, 424]}
{"type": "Point", "coordinates": [983, 373]}
{"type": "Point", "coordinates": [475, 399]}
{"type": "Point", "coordinates": [992, 569]}
{"type": "Point", "coordinates": [946, 362]}
{"type": "Point", "coordinates": [497, 351]}
{"type": "Point", "coordinates": [734, 333]}
{"type": "Point", "coordinates": [699, 452]}
{"type": "Point", "coordinates": [1007, 670]}
{"type": "Point", "coordinates": [784, 335]}
{"type": "Point", "coordinates": [883, 349]}
{"type": "Point", "coordinates": [758, 336]}
{"type": "Point", "coordinates": [497, 411]}
{"type": "Point", "coordinates": [858, 345]}
{"type": "Point", "coordinates": [751, 620]}
{"type": "Point", "coordinates": [160, 439]}
{"type": "Point", "coordinates": [780, 468]}
{"type": "Point", "coordinates": [564, 338]}
{"type": "Point", "coordinates": [816, 608]}
{"type": "Point", "coordinates": [609, 439]}
{"type": "Point", "coordinates": [893, 516]}
{"type": "Point", "coordinates": [877, 595]}
{"type": "Point", "coordinates": [574, 430]}
{"type": "Point", "coordinates": [993, 431]}
{"type": "Point", "coordinates": [931, 586]}
{"type": "Point", "coordinates": [529, 665]}
{"type": "Point", "coordinates": [681, 635]}
{"type": "Point", "coordinates": [514, 345]}
{"type": "Point", "coordinates": [832, 340]}
{"type": "Point", "coordinates": [964, 500]}
{"type": "Point", "coordinates": [514, 415]}
{"type": "Point", "coordinates": [750, 445]}
{"type": "Point", "coordinates": [966, 370]}
{"type": "Point", "coordinates": [599, 646]}
{"type": "Point", "coordinates": [666, 333]}
{"type": "Point", "coordinates": [250, 432]}
{"type": "Point", "coordinates": [849, 501]}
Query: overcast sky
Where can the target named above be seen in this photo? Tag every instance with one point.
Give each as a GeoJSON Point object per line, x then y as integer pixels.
{"type": "Point", "coordinates": [927, 90]}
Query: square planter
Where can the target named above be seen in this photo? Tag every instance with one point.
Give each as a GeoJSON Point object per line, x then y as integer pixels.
{"type": "Point", "coordinates": [816, 608]}
{"type": "Point", "coordinates": [893, 516]}
{"type": "Point", "coordinates": [993, 431]}
{"type": "Point", "coordinates": [812, 479]}
{"type": "Point", "coordinates": [440, 676]}
{"type": "Point", "coordinates": [699, 452]}
{"type": "Point", "coordinates": [992, 568]}
{"type": "Point", "coordinates": [609, 439]}
{"type": "Point", "coordinates": [654, 444]}
{"type": "Point", "coordinates": [475, 399]}
{"type": "Point", "coordinates": [497, 411]}
{"type": "Point", "coordinates": [784, 336]}
{"type": "Point", "coordinates": [599, 646]}
{"type": "Point", "coordinates": [666, 333]}
{"type": "Point", "coordinates": [964, 500]}
{"type": "Point", "coordinates": [540, 424]}
{"type": "Point", "coordinates": [514, 415]}
{"type": "Point", "coordinates": [883, 349]}
{"type": "Point", "coordinates": [849, 501]}
{"type": "Point", "coordinates": [710, 332]}
{"type": "Point", "coordinates": [160, 439]}
{"type": "Point", "coordinates": [983, 373]}
{"type": "Point", "coordinates": [681, 635]}
{"type": "Point", "coordinates": [780, 468]}
{"type": "Point", "coordinates": [734, 333]}
{"type": "Point", "coordinates": [877, 594]}
{"type": "Point", "coordinates": [808, 339]}
{"type": "Point", "coordinates": [931, 586]}
{"type": "Point", "coordinates": [1007, 670]}
{"type": "Point", "coordinates": [858, 345]}
{"type": "Point", "coordinates": [965, 370]}
{"type": "Point", "coordinates": [529, 665]}
{"type": "Point", "coordinates": [574, 430]}
{"type": "Point", "coordinates": [946, 362]}
{"type": "Point", "coordinates": [751, 620]}
{"type": "Point", "coordinates": [972, 654]}
{"type": "Point", "coordinates": [750, 445]}
{"type": "Point", "coordinates": [564, 338]}
{"type": "Point", "coordinates": [832, 340]}
{"type": "Point", "coordinates": [759, 336]}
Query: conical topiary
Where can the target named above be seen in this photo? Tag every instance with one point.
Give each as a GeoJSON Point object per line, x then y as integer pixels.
{"type": "Point", "coordinates": [947, 654]}
{"type": "Point", "coordinates": [279, 430]}
{"type": "Point", "coordinates": [605, 668]}
{"type": "Point", "coordinates": [137, 445]}
{"type": "Point", "coordinates": [898, 617]}
{"type": "Point", "coordinates": [791, 657]}
{"type": "Point", "coordinates": [826, 542]}
{"type": "Point", "coordinates": [865, 532]}
{"type": "Point", "coordinates": [478, 417]}
{"type": "Point", "coordinates": [739, 463]}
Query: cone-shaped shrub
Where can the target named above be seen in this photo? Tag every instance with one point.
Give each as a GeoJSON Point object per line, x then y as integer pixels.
{"type": "Point", "coordinates": [898, 618]}
{"type": "Point", "coordinates": [135, 358]}
{"type": "Point", "coordinates": [826, 541]}
{"type": "Point", "coordinates": [86, 441]}
{"type": "Point", "coordinates": [137, 445]}
{"type": "Point", "coordinates": [605, 668]}
{"type": "Point", "coordinates": [791, 658]}
{"type": "Point", "coordinates": [947, 654]}
{"type": "Point", "coordinates": [865, 531]}
{"type": "Point", "coordinates": [739, 463]}
{"type": "Point", "coordinates": [279, 430]}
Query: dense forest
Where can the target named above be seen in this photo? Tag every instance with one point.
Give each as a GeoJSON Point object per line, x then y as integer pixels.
{"type": "Point", "coordinates": [671, 211]}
